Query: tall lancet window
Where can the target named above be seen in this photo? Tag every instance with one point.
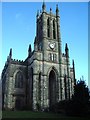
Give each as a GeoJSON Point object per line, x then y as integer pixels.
{"type": "Point", "coordinates": [54, 32]}
{"type": "Point", "coordinates": [48, 27]}
{"type": "Point", "coordinates": [19, 80]}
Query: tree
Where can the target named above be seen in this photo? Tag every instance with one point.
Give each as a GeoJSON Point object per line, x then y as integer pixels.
{"type": "Point", "coordinates": [79, 103]}
{"type": "Point", "coordinates": [81, 92]}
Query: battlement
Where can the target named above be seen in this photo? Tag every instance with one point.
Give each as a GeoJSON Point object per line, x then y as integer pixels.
{"type": "Point", "coordinates": [12, 61]}
{"type": "Point", "coordinates": [19, 62]}
{"type": "Point", "coordinates": [39, 13]}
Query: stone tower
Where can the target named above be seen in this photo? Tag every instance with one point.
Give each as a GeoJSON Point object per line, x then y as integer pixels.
{"type": "Point", "coordinates": [48, 81]}
{"type": "Point", "coordinates": [46, 72]}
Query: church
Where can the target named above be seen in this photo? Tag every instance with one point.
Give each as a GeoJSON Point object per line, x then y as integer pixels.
{"type": "Point", "coordinates": [45, 76]}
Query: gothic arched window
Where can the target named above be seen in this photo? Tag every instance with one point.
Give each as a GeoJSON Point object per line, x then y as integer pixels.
{"type": "Point", "coordinates": [19, 80]}
{"type": "Point", "coordinates": [48, 27]}
{"type": "Point", "coordinates": [54, 32]}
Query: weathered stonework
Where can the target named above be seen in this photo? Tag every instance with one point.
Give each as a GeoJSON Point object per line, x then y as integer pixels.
{"type": "Point", "coordinates": [45, 77]}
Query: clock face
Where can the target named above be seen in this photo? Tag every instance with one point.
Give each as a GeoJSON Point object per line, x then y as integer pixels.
{"type": "Point", "coordinates": [52, 45]}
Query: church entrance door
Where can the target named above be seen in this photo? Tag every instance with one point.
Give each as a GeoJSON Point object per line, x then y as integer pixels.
{"type": "Point", "coordinates": [18, 104]}
{"type": "Point", "coordinates": [52, 88]}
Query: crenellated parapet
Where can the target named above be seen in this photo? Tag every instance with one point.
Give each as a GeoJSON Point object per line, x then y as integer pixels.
{"type": "Point", "coordinates": [16, 61]}
{"type": "Point", "coordinates": [39, 13]}
{"type": "Point", "coordinates": [10, 61]}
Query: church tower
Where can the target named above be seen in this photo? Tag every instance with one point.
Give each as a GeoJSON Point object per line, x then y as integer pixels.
{"type": "Point", "coordinates": [48, 81]}
{"type": "Point", "coordinates": [48, 42]}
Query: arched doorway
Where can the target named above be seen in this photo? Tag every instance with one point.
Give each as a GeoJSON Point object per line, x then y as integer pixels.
{"type": "Point", "coordinates": [18, 105]}
{"type": "Point", "coordinates": [52, 88]}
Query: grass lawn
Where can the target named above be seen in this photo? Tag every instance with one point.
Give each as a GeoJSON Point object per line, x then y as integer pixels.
{"type": "Point", "coordinates": [30, 114]}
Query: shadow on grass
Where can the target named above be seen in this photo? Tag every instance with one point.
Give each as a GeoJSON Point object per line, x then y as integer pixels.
{"type": "Point", "coordinates": [15, 115]}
